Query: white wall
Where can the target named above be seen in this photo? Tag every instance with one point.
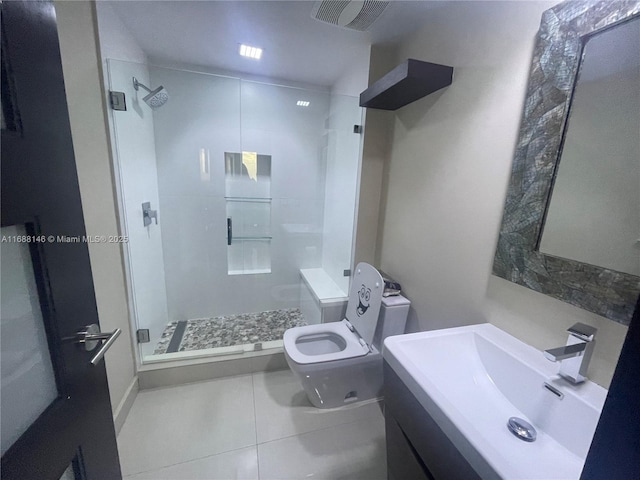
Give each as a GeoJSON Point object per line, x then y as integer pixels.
{"type": "Point", "coordinates": [116, 41]}
{"type": "Point", "coordinates": [542, 321]}
{"type": "Point", "coordinates": [375, 152]}
{"type": "Point", "coordinates": [221, 114]}
{"type": "Point", "coordinates": [135, 164]}
{"type": "Point", "coordinates": [448, 167]}
{"type": "Point", "coordinates": [83, 80]}
{"type": "Point", "coordinates": [355, 79]}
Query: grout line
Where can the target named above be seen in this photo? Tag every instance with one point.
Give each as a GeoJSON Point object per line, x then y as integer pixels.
{"type": "Point", "coordinates": [161, 467]}
{"type": "Point", "coordinates": [157, 469]}
{"type": "Point", "coordinates": [255, 422]}
{"type": "Point", "coordinates": [367, 418]}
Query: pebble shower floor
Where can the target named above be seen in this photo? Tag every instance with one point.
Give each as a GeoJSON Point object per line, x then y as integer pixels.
{"type": "Point", "coordinates": [228, 330]}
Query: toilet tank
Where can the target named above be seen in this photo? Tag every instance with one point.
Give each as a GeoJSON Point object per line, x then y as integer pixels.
{"type": "Point", "coordinates": [392, 319]}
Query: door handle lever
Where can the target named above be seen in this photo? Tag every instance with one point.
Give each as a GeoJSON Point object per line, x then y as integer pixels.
{"type": "Point", "coordinates": [91, 336]}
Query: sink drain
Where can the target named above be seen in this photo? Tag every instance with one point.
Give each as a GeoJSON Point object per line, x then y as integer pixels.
{"type": "Point", "coordinates": [522, 429]}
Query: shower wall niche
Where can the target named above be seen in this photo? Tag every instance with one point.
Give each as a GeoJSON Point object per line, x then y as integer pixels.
{"type": "Point", "coordinates": [248, 201]}
{"type": "Point", "coordinates": [250, 188]}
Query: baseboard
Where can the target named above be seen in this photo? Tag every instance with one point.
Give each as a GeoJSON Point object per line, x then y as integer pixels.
{"type": "Point", "coordinates": [179, 373]}
{"type": "Point", "coordinates": [121, 413]}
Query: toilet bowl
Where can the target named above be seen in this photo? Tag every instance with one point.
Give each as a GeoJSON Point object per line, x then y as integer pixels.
{"type": "Point", "coordinates": [340, 363]}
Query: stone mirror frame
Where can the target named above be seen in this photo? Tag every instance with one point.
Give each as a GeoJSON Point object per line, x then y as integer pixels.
{"type": "Point", "coordinates": [557, 55]}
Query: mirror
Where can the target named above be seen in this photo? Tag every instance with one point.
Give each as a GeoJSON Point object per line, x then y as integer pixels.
{"type": "Point", "coordinates": [594, 212]}
{"type": "Point", "coordinates": [564, 32]}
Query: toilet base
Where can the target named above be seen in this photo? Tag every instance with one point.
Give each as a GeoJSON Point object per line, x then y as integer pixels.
{"type": "Point", "coordinates": [342, 382]}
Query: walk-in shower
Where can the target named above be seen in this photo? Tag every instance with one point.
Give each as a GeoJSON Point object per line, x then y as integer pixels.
{"type": "Point", "coordinates": [229, 193]}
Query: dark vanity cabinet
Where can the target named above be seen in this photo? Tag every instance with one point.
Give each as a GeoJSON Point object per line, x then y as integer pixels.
{"type": "Point", "coordinates": [417, 449]}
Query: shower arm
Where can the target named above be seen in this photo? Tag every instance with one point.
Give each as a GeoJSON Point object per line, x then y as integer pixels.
{"type": "Point", "coordinates": [137, 84]}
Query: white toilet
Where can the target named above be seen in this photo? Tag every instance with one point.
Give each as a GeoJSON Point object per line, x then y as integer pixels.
{"type": "Point", "coordinates": [341, 362]}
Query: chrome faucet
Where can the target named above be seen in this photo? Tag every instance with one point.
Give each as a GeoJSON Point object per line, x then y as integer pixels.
{"type": "Point", "coordinates": [575, 355]}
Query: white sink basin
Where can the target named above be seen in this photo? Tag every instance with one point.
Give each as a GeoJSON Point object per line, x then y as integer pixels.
{"type": "Point", "coordinates": [471, 380]}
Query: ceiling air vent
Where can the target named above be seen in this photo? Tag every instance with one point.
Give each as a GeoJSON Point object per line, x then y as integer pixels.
{"type": "Point", "coordinates": [354, 15]}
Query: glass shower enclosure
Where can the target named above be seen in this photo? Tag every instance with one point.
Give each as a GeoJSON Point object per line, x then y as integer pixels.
{"type": "Point", "coordinates": [227, 191]}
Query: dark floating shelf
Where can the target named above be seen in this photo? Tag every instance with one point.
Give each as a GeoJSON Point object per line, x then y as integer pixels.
{"type": "Point", "coordinates": [406, 83]}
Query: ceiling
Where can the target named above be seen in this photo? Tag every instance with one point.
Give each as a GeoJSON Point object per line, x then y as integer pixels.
{"type": "Point", "coordinates": [296, 47]}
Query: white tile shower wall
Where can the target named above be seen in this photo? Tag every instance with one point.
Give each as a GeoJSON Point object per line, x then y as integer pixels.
{"type": "Point", "coordinates": [450, 160]}
{"type": "Point", "coordinates": [343, 155]}
{"type": "Point", "coordinates": [137, 166]}
{"type": "Point", "coordinates": [218, 115]}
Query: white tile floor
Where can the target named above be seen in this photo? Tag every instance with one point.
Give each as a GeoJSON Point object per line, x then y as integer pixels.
{"type": "Point", "coordinates": [258, 426]}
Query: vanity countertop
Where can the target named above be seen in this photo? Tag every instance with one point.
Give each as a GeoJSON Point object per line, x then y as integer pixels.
{"type": "Point", "coordinates": [472, 379]}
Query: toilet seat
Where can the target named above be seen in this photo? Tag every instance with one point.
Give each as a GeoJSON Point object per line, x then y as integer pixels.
{"type": "Point", "coordinates": [355, 346]}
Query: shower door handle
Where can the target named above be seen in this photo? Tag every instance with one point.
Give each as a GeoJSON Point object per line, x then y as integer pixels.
{"type": "Point", "coordinates": [229, 231]}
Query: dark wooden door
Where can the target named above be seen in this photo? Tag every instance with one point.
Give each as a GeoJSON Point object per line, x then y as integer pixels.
{"type": "Point", "coordinates": [47, 295]}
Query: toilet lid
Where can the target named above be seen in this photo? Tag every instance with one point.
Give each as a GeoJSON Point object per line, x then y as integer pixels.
{"type": "Point", "coordinates": [365, 298]}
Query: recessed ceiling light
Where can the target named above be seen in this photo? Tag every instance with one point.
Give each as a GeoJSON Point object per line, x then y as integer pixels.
{"type": "Point", "coordinates": [251, 52]}
{"type": "Point", "coordinates": [302, 103]}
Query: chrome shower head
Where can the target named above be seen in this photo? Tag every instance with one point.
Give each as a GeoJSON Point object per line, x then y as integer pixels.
{"type": "Point", "coordinates": [156, 98]}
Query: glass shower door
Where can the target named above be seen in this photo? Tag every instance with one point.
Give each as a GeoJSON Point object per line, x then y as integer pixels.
{"type": "Point", "coordinates": [252, 183]}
